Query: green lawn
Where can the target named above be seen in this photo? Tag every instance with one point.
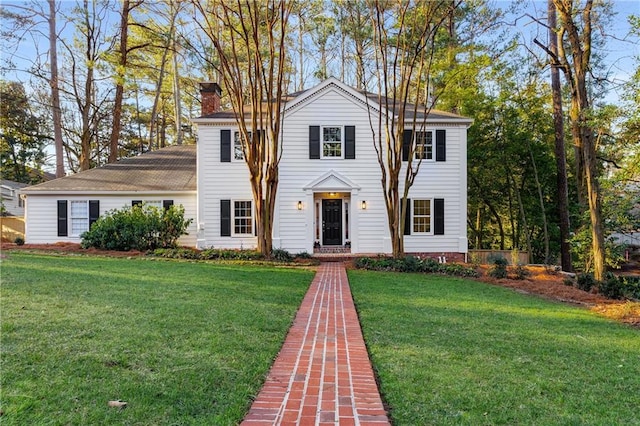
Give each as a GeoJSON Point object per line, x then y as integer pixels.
{"type": "Point", "coordinates": [459, 352]}
{"type": "Point", "coordinates": [182, 343]}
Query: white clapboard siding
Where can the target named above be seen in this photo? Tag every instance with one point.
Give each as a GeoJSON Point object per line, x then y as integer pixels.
{"type": "Point", "coordinates": [42, 220]}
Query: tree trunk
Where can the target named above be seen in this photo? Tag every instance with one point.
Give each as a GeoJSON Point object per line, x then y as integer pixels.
{"type": "Point", "coordinates": [153, 125]}
{"type": "Point", "coordinates": [560, 153]}
{"type": "Point", "coordinates": [120, 77]}
{"type": "Point", "coordinates": [177, 98]}
{"type": "Point", "coordinates": [577, 71]}
{"type": "Point", "coordinates": [545, 228]}
{"type": "Point", "coordinates": [55, 90]}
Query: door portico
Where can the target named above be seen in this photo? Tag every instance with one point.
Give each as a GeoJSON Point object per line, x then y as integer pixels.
{"type": "Point", "coordinates": [332, 216]}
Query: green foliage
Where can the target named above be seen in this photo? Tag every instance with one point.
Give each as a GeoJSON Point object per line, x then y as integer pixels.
{"type": "Point", "coordinates": [206, 254]}
{"type": "Point", "coordinates": [614, 210]}
{"type": "Point", "coordinates": [414, 264]}
{"type": "Point", "coordinates": [620, 287]}
{"type": "Point", "coordinates": [281, 255]}
{"type": "Point", "coordinates": [303, 255]}
{"type": "Point", "coordinates": [499, 269]}
{"type": "Point", "coordinates": [137, 228]}
{"type": "Point", "coordinates": [22, 140]}
{"type": "Point", "coordinates": [585, 281]}
{"type": "Point", "coordinates": [19, 241]}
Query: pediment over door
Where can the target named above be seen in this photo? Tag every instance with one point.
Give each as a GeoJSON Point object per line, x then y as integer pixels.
{"type": "Point", "coordinates": [332, 181]}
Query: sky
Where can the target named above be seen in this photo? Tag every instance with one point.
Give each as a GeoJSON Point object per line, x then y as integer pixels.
{"type": "Point", "coordinates": [621, 53]}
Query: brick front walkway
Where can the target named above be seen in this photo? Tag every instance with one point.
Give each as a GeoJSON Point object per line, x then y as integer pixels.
{"type": "Point", "coordinates": [322, 375]}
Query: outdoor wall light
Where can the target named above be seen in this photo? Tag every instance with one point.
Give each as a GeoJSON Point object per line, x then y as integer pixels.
{"type": "Point", "coordinates": [363, 205]}
{"type": "Point", "coordinates": [299, 205]}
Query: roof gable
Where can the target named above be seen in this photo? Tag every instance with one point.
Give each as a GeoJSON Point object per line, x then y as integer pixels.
{"type": "Point", "coordinates": [331, 181]}
{"type": "Point", "coordinates": [307, 96]}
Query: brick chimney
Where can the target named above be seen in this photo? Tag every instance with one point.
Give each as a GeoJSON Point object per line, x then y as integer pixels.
{"type": "Point", "coordinates": [210, 94]}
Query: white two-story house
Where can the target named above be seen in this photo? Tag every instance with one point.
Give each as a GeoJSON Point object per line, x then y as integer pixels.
{"type": "Point", "coordinates": [330, 193]}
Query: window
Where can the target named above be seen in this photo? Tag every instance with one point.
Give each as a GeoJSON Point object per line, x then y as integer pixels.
{"type": "Point", "coordinates": [421, 216]}
{"type": "Point", "coordinates": [332, 142]}
{"type": "Point", "coordinates": [79, 217]}
{"type": "Point", "coordinates": [144, 203]}
{"type": "Point", "coordinates": [238, 155]}
{"type": "Point", "coordinates": [242, 218]}
{"type": "Point", "coordinates": [424, 145]}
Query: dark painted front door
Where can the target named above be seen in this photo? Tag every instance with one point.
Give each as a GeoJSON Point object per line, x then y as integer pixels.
{"type": "Point", "coordinates": [332, 222]}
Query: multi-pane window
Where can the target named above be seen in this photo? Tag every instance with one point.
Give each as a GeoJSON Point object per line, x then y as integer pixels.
{"type": "Point", "coordinates": [242, 218]}
{"type": "Point", "coordinates": [424, 145]}
{"type": "Point", "coordinates": [237, 146]}
{"type": "Point", "coordinates": [79, 217]}
{"type": "Point", "coordinates": [421, 216]}
{"type": "Point", "coordinates": [332, 142]}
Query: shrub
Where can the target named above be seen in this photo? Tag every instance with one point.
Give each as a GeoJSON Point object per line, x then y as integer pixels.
{"type": "Point", "coordinates": [499, 269]}
{"type": "Point", "coordinates": [207, 254]}
{"type": "Point", "coordinates": [19, 241]}
{"type": "Point", "coordinates": [303, 255]}
{"type": "Point", "coordinates": [281, 255]}
{"type": "Point", "coordinates": [521, 272]}
{"type": "Point", "coordinates": [137, 228]}
{"type": "Point", "coordinates": [620, 287]}
{"type": "Point", "coordinates": [611, 287]}
{"type": "Point", "coordinates": [413, 264]}
{"type": "Point", "coordinates": [585, 282]}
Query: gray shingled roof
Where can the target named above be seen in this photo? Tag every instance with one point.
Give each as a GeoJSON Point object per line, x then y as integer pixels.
{"type": "Point", "coordinates": [167, 169]}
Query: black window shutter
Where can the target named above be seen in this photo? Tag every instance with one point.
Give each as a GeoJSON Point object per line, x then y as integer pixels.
{"type": "Point", "coordinates": [225, 146]}
{"type": "Point", "coordinates": [225, 218]}
{"type": "Point", "coordinates": [438, 216]}
{"type": "Point", "coordinates": [62, 218]}
{"type": "Point", "coordinates": [441, 145]}
{"type": "Point", "coordinates": [350, 142]}
{"type": "Point", "coordinates": [166, 204]}
{"type": "Point", "coordinates": [314, 142]}
{"type": "Point", "coordinates": [407, 135]}
{"type": "Point", "coordinates": [136, 203]}
{"type": "Point", "coordinates": [94, 211]}
{"type": "Point", "coordinates": [407, 218]}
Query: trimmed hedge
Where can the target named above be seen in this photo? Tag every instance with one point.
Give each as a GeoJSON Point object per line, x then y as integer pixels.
{"type": "Point", "coordinates": [414, 264]}
{"type": "Point", "coordinates": [277, 255]}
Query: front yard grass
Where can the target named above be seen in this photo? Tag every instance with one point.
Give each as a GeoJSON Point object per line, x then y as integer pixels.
{"type": "Point", "coordinates": [181, 343]}
{"type": "Point", "coordinates": [453, 351]}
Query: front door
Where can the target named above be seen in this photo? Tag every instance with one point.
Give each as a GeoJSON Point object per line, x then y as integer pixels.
{"type": "Point", "coordinates": [332, 222]}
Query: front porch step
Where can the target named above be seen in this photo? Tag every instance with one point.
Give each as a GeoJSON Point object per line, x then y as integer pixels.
{"type": "Point", "coordinates": [332, 250]}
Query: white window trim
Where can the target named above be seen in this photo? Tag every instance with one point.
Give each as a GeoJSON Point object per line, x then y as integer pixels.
{"type": "Point", "coordinates": [433, 145]}
{"type": "Point", "coordinates": [413, 216]}
{"type": "Point", "coordinates": [233, 146]}
{"type": "Point", "coordinates": [322, 141]}
{"type": "Point", "coordinates": [233, 219]}
{"type": "Point", "coordinates": [72, 233]}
